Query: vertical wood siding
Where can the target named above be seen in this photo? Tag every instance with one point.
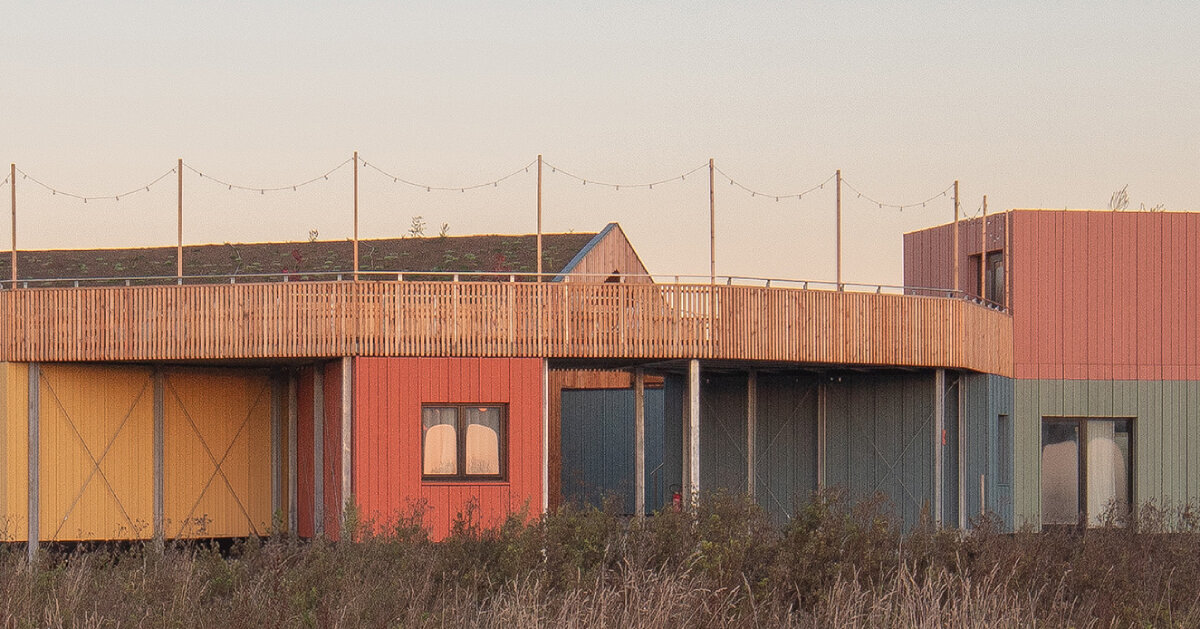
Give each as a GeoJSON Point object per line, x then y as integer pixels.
{"type": "Point", "coordinates": [573, 379]}
{"type": "Point", "coordinates": [217, 453]}
{"type": "Point", "coordinates": [613, 254]}
{"type": "Point", "coordinates": [787, 441]}
{"type": "Point", "coordinates": [96, 455]}
{"type": "Point", "coordinates": [492, 319]}
{"type": "Point", "coordinates": [1166, 423]}
{"type": "Point", "coordinates": [304, 454]}
{"type": "Point", "coordinates": [597, 444]}
{"type": "Point", "coordinates": [14, 452]}
{"type": "Point", "coordinates": [880, 439]}
{"type": "Point", "coordinates": [388, 394]}
{"type": "Point", "coordinates": [929, 258]}
{"type": "Point", "coordinates": [1096, 295]}
{"type": "Point", "coordinates": [723, 432]}
{"type": "Point", "coordinates": [1106, 295]}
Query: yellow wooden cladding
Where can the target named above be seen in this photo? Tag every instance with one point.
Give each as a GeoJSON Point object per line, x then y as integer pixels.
{"type": "Point", "coordinates": [553, 320]}
{"type": "Point", "coordinates": [14, 452]}
{"type": "Point", "coordinates": [96, 454]}
{"type": "Point", "coordinates": [217, 454]}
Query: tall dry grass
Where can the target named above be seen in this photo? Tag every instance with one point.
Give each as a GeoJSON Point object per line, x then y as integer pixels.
{"type": "Point", "coordinates": [835, 564]}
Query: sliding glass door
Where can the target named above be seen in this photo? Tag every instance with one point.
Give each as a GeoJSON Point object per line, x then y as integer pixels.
{"type": "Point", "coordinates": [1087, 469]}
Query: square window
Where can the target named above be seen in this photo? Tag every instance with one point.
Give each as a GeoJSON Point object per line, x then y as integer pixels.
{"type": "Point", "coordinates": [460, 441]}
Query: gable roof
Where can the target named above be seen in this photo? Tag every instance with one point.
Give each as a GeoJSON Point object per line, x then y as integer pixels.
{"type": "Point", "coordinates": [485, 253]}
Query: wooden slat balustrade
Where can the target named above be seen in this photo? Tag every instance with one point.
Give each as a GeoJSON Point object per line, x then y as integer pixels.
{"type": "Point", "coordinates": [553, 320]}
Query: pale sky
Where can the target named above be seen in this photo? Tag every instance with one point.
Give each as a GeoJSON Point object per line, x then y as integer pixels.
{"type": "Point", "coordinates": [1035, 104]}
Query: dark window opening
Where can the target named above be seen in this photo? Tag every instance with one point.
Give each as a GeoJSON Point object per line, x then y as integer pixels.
{"type": "Point", "coordinates": [992, 277]}
{"type": "Point", "coordinates": [1004, 451]}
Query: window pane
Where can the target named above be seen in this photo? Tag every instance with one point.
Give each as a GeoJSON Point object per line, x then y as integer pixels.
{"type": "Point", "coordinates": [995, 277]}
{"type": "Point", "coordinates": [483, 440]}
{"type": "Point", "coordinates": [440, 436]}
{"type": "Point", "coordinates": [1060, 472]}
{"type": "Point", "coordinates": [1107, 467]}
{"type": "Point", "coordinates": [1004, 450]}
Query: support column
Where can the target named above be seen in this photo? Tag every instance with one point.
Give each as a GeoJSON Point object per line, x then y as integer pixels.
{"type": "Point", "coordinates": [822, 431]}
{"type": "Point", "coordinates": [751, 431]}
{"type": "Point", "coordinates": [276, 448]}
{"type": "Point", "coordinates": [292, 453]}
{"type": "Point", "coordinates": [318, 450]}
{"type": "Point", "coordinates": [347, 437]}
{"type": "Point", "coordinates": [159, 456]}
{"type": "Point", "coordinates": [939, 426]}
{"type": "Point", "coordinates": [693, 444]}
{"type": "Point", "coordinates": [34, 531]}
{"type": "Point", "coordinates": [639, 442]}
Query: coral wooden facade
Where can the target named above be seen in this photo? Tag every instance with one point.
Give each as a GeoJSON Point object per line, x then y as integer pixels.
{"type": "Point", "coordinates": [389, 394]}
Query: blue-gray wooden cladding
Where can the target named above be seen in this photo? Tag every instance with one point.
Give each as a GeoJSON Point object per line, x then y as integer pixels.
{"type": "Point", "coordinates": [880, 438]}
{"type": "Point", "coordinates": [1166, 434]}
{"type": "Point", "coordinates": [986, 439]}
{"type": "Point", "coordinates": [786, 473]}
{"type": "Point", "coordinates": [598, 433]}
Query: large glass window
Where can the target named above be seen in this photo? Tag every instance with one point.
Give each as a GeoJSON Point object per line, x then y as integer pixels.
{"type": "Point", "coordinates": [1086, 469]}
{"type": "Point", "coordinates": [463, 441]}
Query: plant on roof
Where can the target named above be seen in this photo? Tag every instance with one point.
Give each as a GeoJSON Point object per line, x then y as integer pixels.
{"type": "Point", "coordinates": [417, 227]}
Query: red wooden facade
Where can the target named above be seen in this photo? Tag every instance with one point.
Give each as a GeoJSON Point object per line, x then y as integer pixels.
{"type": "Point", "coordinates": [331, 449]}
{"type": "Point", "coordinates": [1096, 295]}
{"type": "Point", "coordinates": [388, 395]}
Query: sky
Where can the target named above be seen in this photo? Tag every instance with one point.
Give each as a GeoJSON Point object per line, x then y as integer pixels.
{"type": "Point", "coordinates": [1034, 104]}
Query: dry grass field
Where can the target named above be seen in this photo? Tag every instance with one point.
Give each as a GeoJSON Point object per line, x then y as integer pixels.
{"type": "Point", "coordinates": [835, 564]}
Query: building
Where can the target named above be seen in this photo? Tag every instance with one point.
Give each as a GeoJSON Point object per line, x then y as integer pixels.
{"type": "Point", "coordinates": [275, 386]}
{"type": "Point", "coordinates": [1104, 402]}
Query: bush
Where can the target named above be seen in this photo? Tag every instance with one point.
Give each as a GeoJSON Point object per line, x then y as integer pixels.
{"type": "Point", "coordinates": [834, 564]}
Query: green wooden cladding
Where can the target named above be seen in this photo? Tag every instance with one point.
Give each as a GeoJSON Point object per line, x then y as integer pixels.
{"type": "Point", "coordinates": [1166, 432]}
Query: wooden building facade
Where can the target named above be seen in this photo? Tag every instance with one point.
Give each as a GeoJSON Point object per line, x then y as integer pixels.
{"type": "Point", "coordinates": [239, 408]}
{"type": "Point", "coordinates": [1106, 357]}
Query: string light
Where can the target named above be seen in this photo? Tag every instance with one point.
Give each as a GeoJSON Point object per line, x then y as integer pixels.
{"type": "Point", "coordinates": [617, 186]}
{"type": "Point", "coordinates": [292, 187]}
{"type": "Point", "coordinates": [85, 197]}
{"type": "Point", "coordinates": [494, 183]}
{"type": "Point", "coordinates": [896, 206]}
{"type": "Point", "coordinates": [757, 193]}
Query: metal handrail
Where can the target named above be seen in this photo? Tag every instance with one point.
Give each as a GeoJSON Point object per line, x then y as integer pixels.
{"type": "Point", "coordinates": [494, 276]}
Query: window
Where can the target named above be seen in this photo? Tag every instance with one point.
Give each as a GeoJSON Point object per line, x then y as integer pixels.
{"type": "Point", "coordinates": [461, 441]}
{"type": "Point", "coordinates": [994, 278]}
{"type": "Point", "coordinates": [1004, 451]}
{"type": "Point", "coordinates": [1086, 469]}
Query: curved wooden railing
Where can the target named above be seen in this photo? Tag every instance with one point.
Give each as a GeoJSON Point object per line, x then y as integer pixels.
{"type": "Point", "coordinates": [553, 320]}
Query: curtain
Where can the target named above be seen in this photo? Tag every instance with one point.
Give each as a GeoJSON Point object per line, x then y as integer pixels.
{"type": "Point", "coordinates": [1107, 470]}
